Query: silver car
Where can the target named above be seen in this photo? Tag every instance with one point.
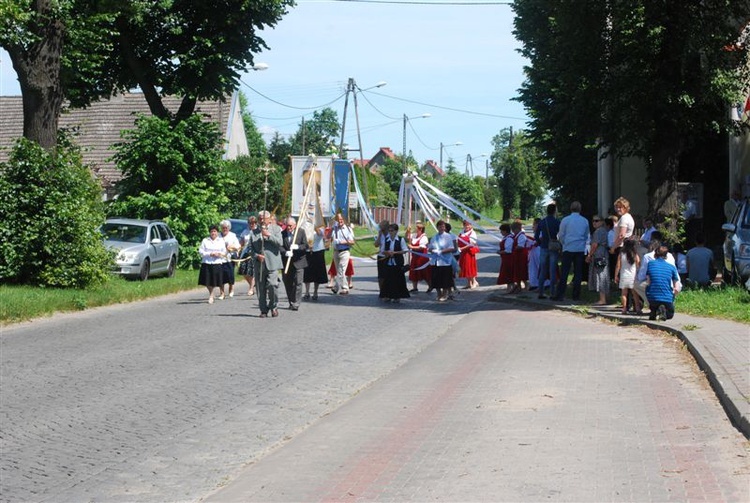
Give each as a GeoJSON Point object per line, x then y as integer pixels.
{"type": "Point", "coordinates": [144, 247]}
{"type": "Point", "coordinates": [737, 245]}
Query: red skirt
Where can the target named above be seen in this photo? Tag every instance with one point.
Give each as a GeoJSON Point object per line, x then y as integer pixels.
{"type": "Point", "coordinates": [506, 269]}
{"type": "Point", "coordinates": [467, 263]}
{"type": "Point", "coordinates": [520, 265]}
{"type": "Point", "coordinates": [349, 268]}
{"type": "Point", "coordinates": [416, 262]}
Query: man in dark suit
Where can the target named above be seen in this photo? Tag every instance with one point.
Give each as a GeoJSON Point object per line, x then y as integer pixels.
{"type": "Point", "coordinates": [295, 261]}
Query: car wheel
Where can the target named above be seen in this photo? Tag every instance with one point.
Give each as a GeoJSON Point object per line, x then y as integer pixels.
{"type": "Point", "coordinates": [145, 270]}
{"type": "Point", "coordinates": [171, 267]}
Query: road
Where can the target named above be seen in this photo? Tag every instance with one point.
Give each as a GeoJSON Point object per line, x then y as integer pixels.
{"type": "Point", "coordinates": [174, 399]}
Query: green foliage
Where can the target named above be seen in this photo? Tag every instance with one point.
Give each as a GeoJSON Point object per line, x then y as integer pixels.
{"type": "Point", "coordinates": [392, 172]}
{"type": "Point", "coordinates": [157, 155]}
{"type": "Point", "coordinates": [464, 189]}
{"type": "Point", "coordinates": [244, 189]}
{"type": "Point", "coordinates": [519, 170]}
{"type": "Point", "coordinates": [50, 209]}
{"type": "Point", "coordinates": [315, 136]}
{"type": "Point", "coordinates": [255, 144]}
{"type": "Point", "coordinates": [188, 208]}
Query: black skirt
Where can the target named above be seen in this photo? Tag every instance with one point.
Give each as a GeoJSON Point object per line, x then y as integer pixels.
{"type": "Point", "coordinates": [442, 277]}
{"type": "Point", "coordinates": [315, 272]}
{"type": "Point", "coordinates": [394, 284]}
{"type": "Point", "coordinates": [211, 275]}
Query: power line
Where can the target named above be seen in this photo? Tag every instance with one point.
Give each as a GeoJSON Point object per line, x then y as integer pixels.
{"type": "Point", "coordinates": [449, 108]}
{"type": "Point", "coordinates": [291, 106]}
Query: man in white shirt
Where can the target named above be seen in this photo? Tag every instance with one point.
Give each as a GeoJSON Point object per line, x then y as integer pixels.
{"type": "Point", "coordinates": [574, 236]}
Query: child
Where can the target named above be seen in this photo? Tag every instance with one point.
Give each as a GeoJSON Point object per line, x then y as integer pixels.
{"type": "Point", "coordinates": [627, 265]}
{"type": "Point", "coordinates": [505, 277]}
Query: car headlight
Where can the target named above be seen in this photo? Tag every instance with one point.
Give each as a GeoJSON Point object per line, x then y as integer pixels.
{"type": "Point", "coordinates": [128, 257]}
{"type": "Point", "coordinates": [744, 250]}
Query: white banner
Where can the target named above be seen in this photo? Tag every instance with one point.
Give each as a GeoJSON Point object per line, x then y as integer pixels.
{"type": "Point", "coordinates": [302, 167]}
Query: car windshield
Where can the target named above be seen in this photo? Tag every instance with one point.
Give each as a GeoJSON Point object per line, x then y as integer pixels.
{"type": "Point", "coordinates": [126, 233]}
{"type": "Point", "coordinates": [744, 219]}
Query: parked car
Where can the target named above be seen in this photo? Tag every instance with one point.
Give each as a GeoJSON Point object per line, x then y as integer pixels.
{"type": "Point", "coordinates": [144, 247]}
{"type": "Point", "coordinates": [737, 246]}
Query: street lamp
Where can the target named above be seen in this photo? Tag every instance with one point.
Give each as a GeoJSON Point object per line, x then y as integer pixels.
{"type": "Point", "coordinates": [406, 119]}
{"type": "Point", "coordinates": [441, 150]}
{"type": "Point", "coordinates": [470, 162]}
{"type": "Point", "coordinates": [259, 67]}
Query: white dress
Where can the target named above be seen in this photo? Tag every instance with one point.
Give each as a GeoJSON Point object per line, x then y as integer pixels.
{"type": "Point", "coordinates": [627, 272]}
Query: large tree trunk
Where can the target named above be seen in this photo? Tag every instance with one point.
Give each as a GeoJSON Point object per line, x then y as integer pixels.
{"type": "Point", "coordinates": [38, 69]}
{"type": "Point", "coordinates": [663, 197]}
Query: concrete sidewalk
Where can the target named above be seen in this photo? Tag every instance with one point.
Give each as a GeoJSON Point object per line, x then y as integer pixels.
{"type": "Point", "coordinates": [720, 347]}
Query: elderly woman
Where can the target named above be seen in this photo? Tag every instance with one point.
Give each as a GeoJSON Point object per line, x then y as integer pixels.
{"type": "Point", "coordinates": [393, 250]}
{"type": "Point", "coordinates": [598, 260]}
{"type": "Point", "coordinates": [232, 247]}
{"type": "Point", "coordinates": [212, 251]}
{"type": "Point", "coordinates": [246, 266]}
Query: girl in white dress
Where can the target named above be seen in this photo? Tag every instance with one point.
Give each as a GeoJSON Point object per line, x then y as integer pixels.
{"type": "Point", "coordinates": [627, 265]}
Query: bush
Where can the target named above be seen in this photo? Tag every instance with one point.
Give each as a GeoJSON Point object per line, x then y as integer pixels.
{"type": "Point", "coordinates": [188, 208]}
{"type": "Point", "coordinates": [50, 213]}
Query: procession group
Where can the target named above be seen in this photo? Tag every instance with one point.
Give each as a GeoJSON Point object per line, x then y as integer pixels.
{"type": "Point", "coordinates": [270, 253]}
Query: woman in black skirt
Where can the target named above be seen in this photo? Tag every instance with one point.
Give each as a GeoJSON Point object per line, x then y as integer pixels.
{"type": "Point", "coordinates": [212, 251]}
{"type": "Point", "coordinates": [315, 272]}
{"type": "Point", "coordinates": [394, 282]}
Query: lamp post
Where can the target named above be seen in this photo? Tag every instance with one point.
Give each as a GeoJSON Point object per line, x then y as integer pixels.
{"type": "Point", "coordinates": [470, 162]}
{"type": "Point", "coordinates": [441, 150]}
{"type": "Point", "coordinates": [406, 119]}
{"type": "Point", "coordinates": [259, 67]}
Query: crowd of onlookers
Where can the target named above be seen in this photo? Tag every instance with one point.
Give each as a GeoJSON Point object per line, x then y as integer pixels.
{"type": "Point", "coordinates": [642, 269]}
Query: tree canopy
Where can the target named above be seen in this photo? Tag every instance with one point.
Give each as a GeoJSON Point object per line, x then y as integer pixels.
{"type": "Point", "coordinates": [642, 77]}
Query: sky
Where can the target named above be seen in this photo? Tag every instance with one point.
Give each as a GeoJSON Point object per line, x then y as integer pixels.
{"type": "Point", "coordinates": [456, 61]}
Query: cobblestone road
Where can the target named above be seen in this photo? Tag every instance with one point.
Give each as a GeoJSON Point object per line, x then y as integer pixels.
{"type": "Point", "coordinates": [170, 399]}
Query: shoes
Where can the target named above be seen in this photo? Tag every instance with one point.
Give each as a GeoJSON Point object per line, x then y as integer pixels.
{"type": "Point", "coordinates": [263, 315]}
{"type": "Point", "coordinates": [211, 299]}
{"type": "Point", "coordinates": [344, 292]}
{"type": "Point", "coordinates": [294, 308]}
{"type": "Point", "coordinates": [250, 293]}
{"type": "Point", "coordinates": [315, 297]}
{"type": "Point", "coordinates": [661, 313]}
{"type": "Point", "coordinates": [414, 290]}
{"type": "Point", "coordinates": [221, 297]}
{"type": "Point", "coordinates": [275, 313]}
{"type": "Point", "coordinates": [429, 290]}
{"type": "Point", "coordinates": [231, 294]}
{"type": "Point", "coordinates": [467, 287]}
{"type": "Point", "coordinates": [442, 299]}
{"type": "Point", "coordinates": [351, 287]}
{"type": "Point", "coordinates": [306, 296]}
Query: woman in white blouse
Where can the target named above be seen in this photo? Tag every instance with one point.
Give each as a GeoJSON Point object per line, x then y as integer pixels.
{"type": "Point", "coordinates": [212, 250]}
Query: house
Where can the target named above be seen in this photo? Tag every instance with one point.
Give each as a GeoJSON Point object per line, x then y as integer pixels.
{"type": "Point", "coordinates": [99, 127]}
{"type": "Point", "coordinates": [379, 159]}
{"type": "Point", "coordinates": [431, 168]}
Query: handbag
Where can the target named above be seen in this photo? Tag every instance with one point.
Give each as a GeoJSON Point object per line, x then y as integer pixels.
{"type": "Point", "coordinates": [600, 263]}
{"type": "Point", "coordinates": [473, 250]}
{"type": "Point", "coordinates": [553, 245]}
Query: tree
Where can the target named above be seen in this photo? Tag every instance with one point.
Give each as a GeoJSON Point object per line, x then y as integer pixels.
{"type": "Point", "coordinates": [645, 78]}
{"type": "Point", "coordinates": [256, 146]}
{"type": "Point", "coordinates": [245, 189]}
{"type": "Point", "coordinates": [156, 155]}
{"type": "Point", "coordinates": [463, 188]}
{"type": "Point", "coordinates": [318, 135]}
{"type": "Point", "coordinates": [83, 50]}
{"type": "Point", "coordinates": [519, 169]}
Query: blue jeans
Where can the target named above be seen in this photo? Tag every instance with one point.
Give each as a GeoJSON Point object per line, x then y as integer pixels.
{"type": "Point", "coordinates": [547, 269]}
{"type": "Point", "coordinates": [574, 259]}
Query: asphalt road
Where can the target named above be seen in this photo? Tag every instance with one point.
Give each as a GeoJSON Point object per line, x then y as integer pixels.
{"type": "Point", "coordinates": [175, 399]}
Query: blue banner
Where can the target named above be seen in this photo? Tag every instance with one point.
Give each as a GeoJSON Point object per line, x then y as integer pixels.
{"type": "Point", "coordinates": [341, 169]}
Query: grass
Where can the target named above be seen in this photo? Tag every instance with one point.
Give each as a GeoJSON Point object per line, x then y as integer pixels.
{"type": "Point", "coordinates": [731, 303]}
{"type": "Point", "coordinates": [22, 303]}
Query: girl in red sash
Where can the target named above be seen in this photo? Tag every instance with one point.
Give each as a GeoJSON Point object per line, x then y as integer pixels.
{"type": "Point", "coordinates": [418, 242]}
{"type": "Point", "coordinates": [467, 262]}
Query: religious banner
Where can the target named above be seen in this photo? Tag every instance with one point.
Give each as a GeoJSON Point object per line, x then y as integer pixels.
{"type": "Point", "coordinates": [303, 167]}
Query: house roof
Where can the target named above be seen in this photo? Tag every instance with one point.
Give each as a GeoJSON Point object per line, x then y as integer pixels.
{"type": "Point", "coordinates": [99, 126]}
{"type": "Point", "coordinates": [432, 165]}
